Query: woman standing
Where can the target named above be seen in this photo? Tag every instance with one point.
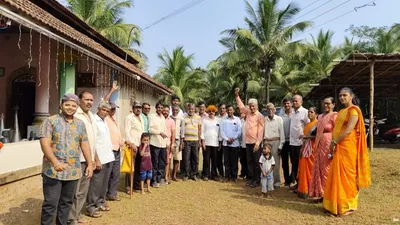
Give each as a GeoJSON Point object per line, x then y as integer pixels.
{"type": "Point", "coordinates": [350, 165]}
{"type": "Point", "coordinates": [323, 140]}
{"type": "Point", "coordinates": [306, 161]}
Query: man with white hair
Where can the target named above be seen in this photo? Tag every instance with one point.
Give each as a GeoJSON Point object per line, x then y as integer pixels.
{"type": "Point", "coordinates": [254, 135]}
{"type": "Point", "coordinates": [298, 121]}
{"type": "Point", "coordinates": [274, 135]}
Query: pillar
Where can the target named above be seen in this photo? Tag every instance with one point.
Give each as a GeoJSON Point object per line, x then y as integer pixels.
{"type": "Point", "coordinates": [67, 78]}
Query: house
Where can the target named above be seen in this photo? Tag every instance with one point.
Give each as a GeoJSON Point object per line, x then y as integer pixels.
{"type": "Point", "coordinates": [46, 52]}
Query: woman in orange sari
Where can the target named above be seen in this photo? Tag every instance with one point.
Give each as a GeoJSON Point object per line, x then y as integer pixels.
{"type": "Point", "coordinates": [350, 169]}
{"type": "Point", "coordinates": [323, 140]}
{"type": "Point", "coordinates": [306, 161]}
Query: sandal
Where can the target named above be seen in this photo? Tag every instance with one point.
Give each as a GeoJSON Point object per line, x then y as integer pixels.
{"type": "Point", "coordinates": [113, 199]}
{"type": "Point", "coordinates": [104, 208]}
{"type": "Point", "coordinates": [94, 214]}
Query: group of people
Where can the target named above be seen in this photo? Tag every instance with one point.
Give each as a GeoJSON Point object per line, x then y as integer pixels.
{"type": "Point", "coordinates": [82, 151]}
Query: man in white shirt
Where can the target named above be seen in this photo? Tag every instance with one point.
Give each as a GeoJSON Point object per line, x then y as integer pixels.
{"type": "Point", "coordinates": [158, 144]}
{"type": "Point", "coordinates": [177, 150]}
{"type": "Point", "coordinates": [274, 135]}
{"type": "Point", "coordinates": [286, 114]}
{"type": "Point", "coordinates": [83, 113]}
{"type": "Point", "coordinates": [220, 154]}
{"type": "Point", "coordinates": [210, 143]}
{"type": "Point", "coordinates": [242, 154]}
{"type": "Point", "coordinates": [298, 121]}
{"type": "Point", "coordinates": [104, 154]}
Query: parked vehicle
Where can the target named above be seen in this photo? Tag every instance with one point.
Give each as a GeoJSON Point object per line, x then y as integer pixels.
{"type": "Point", "coordinates": [383, 131]}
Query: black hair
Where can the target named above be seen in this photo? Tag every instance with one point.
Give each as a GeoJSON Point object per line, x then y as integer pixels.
{"type": "Point", "coordinates": [287, 100]}
{"type": "Point", "coordinates": [331, 98]}
{"type": "Point", "coordinates": [159, 103]}
{"type": "Point", "coordinates": [355, 100]}
{"type": "Point", "coordinates": [145, 103]}
{"type": "Point", "coordinates": [229, 106]}
{"type": "Point", "coordinates": [201, 103]}
{"type": "Point", "coordinates": [191, 104]}
{"type": "Point", "coordinates": [166, 106]}
{"type": "Point", "coordinates": [84, 92]}
{"type": "Point", "coordinates": [220, 105]}
{"type": "Point", "coordinates": [174, 97]}
{"type": "Point", "coordinates": [145, 135]}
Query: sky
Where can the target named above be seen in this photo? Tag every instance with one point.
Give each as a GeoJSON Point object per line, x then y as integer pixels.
{"type": "Point", "coordinates": [198, 29]}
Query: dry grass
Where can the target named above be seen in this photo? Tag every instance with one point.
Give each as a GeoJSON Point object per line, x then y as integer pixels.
{"type": "Point", "coordinates": [227, 203]}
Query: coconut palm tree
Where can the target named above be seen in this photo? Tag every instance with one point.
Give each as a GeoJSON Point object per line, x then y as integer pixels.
{"type": "Point", "coordinates": [105, 16]}
{"type": "Point", "coordinates": [269, 28]}
{"type": "Point", "coordinates": [177, 73]}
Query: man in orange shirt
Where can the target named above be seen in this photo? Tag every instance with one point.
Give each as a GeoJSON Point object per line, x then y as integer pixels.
{"type": "Point", "coordinates": [254, 135]}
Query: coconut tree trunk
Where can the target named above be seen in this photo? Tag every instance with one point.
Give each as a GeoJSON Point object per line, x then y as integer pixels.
{"type": "Point", "coordinates": [245, 83]}
{"type": "Point", "coordinates": [267, 83]}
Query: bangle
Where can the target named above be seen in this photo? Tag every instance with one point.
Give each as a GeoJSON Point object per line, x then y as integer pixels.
{"type": "Point", "coordinates": [56, 165]}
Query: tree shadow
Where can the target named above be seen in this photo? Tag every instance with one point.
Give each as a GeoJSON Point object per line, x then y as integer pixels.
{"type": "Point", "coordinates": [16, 215]}
{"type": "Point", "coordinates": [281, 198]}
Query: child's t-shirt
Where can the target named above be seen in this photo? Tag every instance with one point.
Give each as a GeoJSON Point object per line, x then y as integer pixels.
{"type": "Point", "coordinates": [266, 163]}
{"type": "Point", "coordinates": [145, 164]}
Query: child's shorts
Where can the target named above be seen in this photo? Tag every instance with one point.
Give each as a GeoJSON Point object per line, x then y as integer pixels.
{"type": "Point", "coordinates": [146, 175]}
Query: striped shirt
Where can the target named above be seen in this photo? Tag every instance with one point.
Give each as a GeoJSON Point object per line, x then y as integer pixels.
{"type": "Point", "coordinates": [190, 127]}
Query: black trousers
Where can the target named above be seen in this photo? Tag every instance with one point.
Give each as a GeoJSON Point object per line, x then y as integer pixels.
{"type": "Point", "coordinates": [243, 162]}
{"type": "Point", "coordinates": [286, 150]}
{"type": "Point", "coordinates": [58, 197]}
{"type": "Point", "coordinates": [210, 162]}
{"type": "Point", "coordinates": [220, 163]}
{"type": "Point", "coordinates": [191, 158]}
{"type": "Point", "coordinates": [294, 158]}
{"type": "Point", "coordinates": [113, 183]}
{"type": "Point", "coordinates": [158, 159]}
{"type": "Point", "coordinates": [254, 171]}
{"type": "Point", "coordinates": [231, 158]}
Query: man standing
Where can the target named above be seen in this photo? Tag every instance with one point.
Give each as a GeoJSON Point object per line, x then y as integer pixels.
{"type": "Point", "coordinates": [286, 114]}
{"type": "Point", "coordinates": [210, 130]}
{"type": "Point", "coordinates": [242, 154]}
{"type": "Point", "coordinates": [254, 135]}
{"type": "Point", "coordinates": [274, 135]}
{"type": "Point", "coordinates": [145, 116]}
{"type": "Point", "coordinates": [191, 136]}
{"type": "Point", "coordinates": [298, 121]}
{"type": "Point", "coordinates": [158, 144]}
{"type": "Point", "coordinates": [117, 143]}
{"type": "Point", "coordinates": [101, 175]}
{"type": "Point", "coordinates": [170, 124]}
{"type": "Point", "coordinates": [220, 153]}
{"type": "Point", "coordinates": [83, 113]}
{"type": "Point", "coordinates": [176, 101]}
{"type": "Point", "coordinates": [202, 110]}
{"type": "Point", "coordinates": [230, 132]}
{"type": "Point", "coordinates": [176, 151]}
{"type": "Point", "coordinates": [62, 137]}
{"type": "Point", "coordinates": [134, 127]}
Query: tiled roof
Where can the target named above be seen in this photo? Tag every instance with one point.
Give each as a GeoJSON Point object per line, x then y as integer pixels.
{"type": "Point", "coordinates": [49, 20]}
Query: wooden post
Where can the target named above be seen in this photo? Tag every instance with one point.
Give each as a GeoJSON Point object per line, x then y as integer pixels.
{"type": "Point", "coordinates": [371, 107]}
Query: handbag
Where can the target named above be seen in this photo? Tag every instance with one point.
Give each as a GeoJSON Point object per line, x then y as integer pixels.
{"type": "Point", "coordinates": [127, 162]}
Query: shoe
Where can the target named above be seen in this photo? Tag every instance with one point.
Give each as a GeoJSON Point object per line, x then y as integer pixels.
{"type": "Point", "coordinates": [287, 184]}
{"type": "Point", "coordinates": [242, 176]}
{"type": "Point", "coordinates": [216, 178]}
{"type": "Point", "coordinates": [249, 183]}
{"type": "Point", "coordinates": [234, 180]}
{"type": "Point", "coordinates": [185, 178]}
{"type": "Point", "coordinates": [156, 185]}
{"type": "Point", "coordinates": [195, 178]}
{"type": "Point", "coordinates": [293, 187]}
{"type": "Point", "coordinates": [163, 182]}
{"type": "Point", "coordinates": [205, 178]}
{"type": "Point", "coordinates": [228, 179]}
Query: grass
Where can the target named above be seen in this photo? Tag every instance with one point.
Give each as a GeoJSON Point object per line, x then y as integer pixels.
{"type": "Point", "coordinates": [228, 203]}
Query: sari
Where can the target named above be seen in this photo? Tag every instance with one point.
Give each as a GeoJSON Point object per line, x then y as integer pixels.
{"type": "Point", "coordinates": [322, 164]}
{"type": "Point", "coordinates": [350, 168]}
{"type": "Point", "coordinates": [306, 161]}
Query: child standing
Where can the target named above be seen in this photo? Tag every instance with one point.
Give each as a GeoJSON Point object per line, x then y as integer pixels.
{"type": "Point", "coordinates": [145, 165]}
{"type": "Point", "coordinates": [267, 164]}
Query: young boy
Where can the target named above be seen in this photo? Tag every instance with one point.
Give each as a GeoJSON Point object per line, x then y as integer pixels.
{"type": "Point", "coordinates": [145, 164]}
{"type": "Point", "coordinates": [267, 164]}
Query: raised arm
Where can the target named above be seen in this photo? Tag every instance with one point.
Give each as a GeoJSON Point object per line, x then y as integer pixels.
{"type": "Point", "coordinates": [112, 90]}
{"type": "Point", "coordinates": [239, 102]}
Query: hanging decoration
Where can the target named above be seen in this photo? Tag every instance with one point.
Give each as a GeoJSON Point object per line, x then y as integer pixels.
{"type": "Point", "coordinates": [57, 65]}
{"type": "Point", "coordinates": [97, 79]}
{"type": "Point", "coordinates": [48, 73]}
{"type": "Point", "coordinates": [19, 37]}
{"type": "Point", "coordinates": [30, 48]}
{"type": "Point", "coordinates": [70, 54]}
{"type": "Point", "coordinates": [40, 59]}
{"type": "Point", "coordinates": [87, 63]}
{"type": "Point", "coordinates": [64, 59]}
{"type": "Point", "coordinates": [94, 85]}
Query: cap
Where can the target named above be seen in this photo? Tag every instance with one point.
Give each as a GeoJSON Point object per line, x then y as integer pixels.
{"type": "Point", "coordinates": [70, 97]}
{"type": "Point", "coordinates": [113, 105]}
{"type": "Point", "coordinates": [136, 104]}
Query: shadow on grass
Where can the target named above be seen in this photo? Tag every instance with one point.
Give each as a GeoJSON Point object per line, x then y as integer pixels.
{"type": "Point", "coordinates": [16, 215]}
{"type": "Point", "coordinates": [281, 198]}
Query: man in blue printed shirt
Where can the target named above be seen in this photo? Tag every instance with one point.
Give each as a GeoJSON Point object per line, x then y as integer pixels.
{"type": "Point", "coordinates": [230, 132]}
{"type": "Point", "coordinates": [61, 138]}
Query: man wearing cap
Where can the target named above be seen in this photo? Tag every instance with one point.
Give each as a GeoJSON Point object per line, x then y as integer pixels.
{"type": "Point", "coordinates": [254, 135]}
{"type": "Point", "coordinates": [134, 127]}
{"type": "Point", "coordinates": [145, 116]}
{"type": "Point", "coordinates": [83, 113]}
{"type": "Point", "coordinates": [62, 137]}
{"type": "Point", "coordinates": [176, 101]}
{"type": "Point", "coordinates": [117, 142]}
{"type": "Point", "coordinates": [101, 175]}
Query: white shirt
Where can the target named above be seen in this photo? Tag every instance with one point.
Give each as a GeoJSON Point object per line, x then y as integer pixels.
{"type": "Point", "coordinates": [266, 164]}
{"type": "Point", "coordinates": [178, 124]}
{"type": "Point", "coordinates": [274, 128]}
{"type": "Point", "coordinates": [298, 121]}
{"type": "Point", "coordinates": [243, 139]}
{"type": "Point", "coordinates": [210, 131]}
{"type": "Point", "coordinates": [286, 123]}
{"type": "Point", "coordinates": [180, 113]}
{"type": "Point", "coordinates": [91, 129]}
{"type": "Point", "coordinates": [157, 125]}
{"type": "Point", "coordinates": [134, 127]}
{"type": "Point", "coordinates": [103, 142]}
{"type": "Point", "coordinates": [231, 128]}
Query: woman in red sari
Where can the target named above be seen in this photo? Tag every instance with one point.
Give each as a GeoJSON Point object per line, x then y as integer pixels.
{"type": "Point", "coordinates": [323, 140]}
{"type": "Point", "coordinates": [306, 161]}
{"type": "Point", "coordinates": [350, 168]}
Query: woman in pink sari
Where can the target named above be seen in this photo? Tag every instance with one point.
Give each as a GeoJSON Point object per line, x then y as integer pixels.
{"type": "Point", "coordinates": [323, 140]}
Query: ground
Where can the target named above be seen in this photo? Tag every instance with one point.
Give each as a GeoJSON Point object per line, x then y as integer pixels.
{"type": "Point", "coordinates": [210, 202]}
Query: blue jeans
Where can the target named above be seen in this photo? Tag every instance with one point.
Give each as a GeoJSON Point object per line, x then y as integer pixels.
{"type": "Point", "coordinates": [144, 175]}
